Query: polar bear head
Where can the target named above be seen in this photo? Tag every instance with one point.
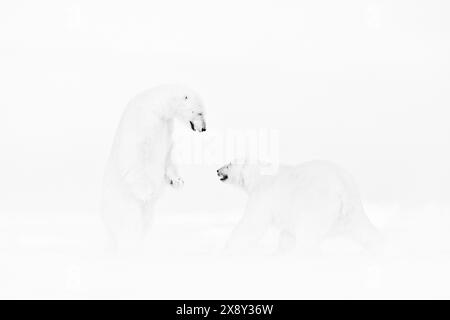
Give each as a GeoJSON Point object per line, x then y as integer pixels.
{"type": "Point", "coordinates": [246, 173]}
{"type": "Point", "coordinates": [189, 108]}
{"type": "Point", "coordinates": [239, 172]}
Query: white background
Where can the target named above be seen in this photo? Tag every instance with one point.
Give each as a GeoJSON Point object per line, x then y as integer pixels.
{"type": "Point", "coordinates": [362, 83]}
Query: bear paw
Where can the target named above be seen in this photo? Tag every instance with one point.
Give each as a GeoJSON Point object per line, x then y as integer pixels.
{"type": "Point", "coordinates": [176, 182]}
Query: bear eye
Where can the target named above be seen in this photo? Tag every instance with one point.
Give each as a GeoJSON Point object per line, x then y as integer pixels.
{"type": "Point", "coordinates": [185, 97]}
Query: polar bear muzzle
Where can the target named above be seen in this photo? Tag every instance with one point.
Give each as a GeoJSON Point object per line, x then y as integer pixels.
{"type": "Point", "coordinates": [198, 125]}
{"type": "Point", "coordinates": [222, 175]}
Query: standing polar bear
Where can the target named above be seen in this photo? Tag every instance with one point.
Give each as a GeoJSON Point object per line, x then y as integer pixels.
{"type": "Point", "coordinates": [305, 202]}
{"type": "Point", "coordinates": [140, 164]}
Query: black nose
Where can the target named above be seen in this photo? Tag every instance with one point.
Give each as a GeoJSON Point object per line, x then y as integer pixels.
{"type": "Point", "coordinates": [203, 129]}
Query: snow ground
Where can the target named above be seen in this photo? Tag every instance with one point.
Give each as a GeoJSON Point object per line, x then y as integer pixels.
{"type": "Point", "coordinates": [47, 258]}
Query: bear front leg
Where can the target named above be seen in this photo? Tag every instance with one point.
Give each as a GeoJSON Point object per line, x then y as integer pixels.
{"type": "Point", "coordinates": [171, 174]}
{"type": "Point", "coordinates": [250, 229]}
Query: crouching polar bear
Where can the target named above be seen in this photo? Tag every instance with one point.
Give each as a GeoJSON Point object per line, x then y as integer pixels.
{"type": "Point", "coordinates": [305, 203]}
{"type": "Point", "coordinates": [140, 164]}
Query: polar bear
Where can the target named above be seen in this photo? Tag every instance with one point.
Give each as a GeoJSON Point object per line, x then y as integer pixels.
{"type": "Point", "coordinates": [140, 164]}
{"type": "Point", "coordinates": [305, 203]}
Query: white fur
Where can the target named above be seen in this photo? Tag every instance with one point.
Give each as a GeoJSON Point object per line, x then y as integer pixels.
{"type": "Point", "coordinates": [305, 202]}
{"type": "Point", "coordinates": [140, 163]}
